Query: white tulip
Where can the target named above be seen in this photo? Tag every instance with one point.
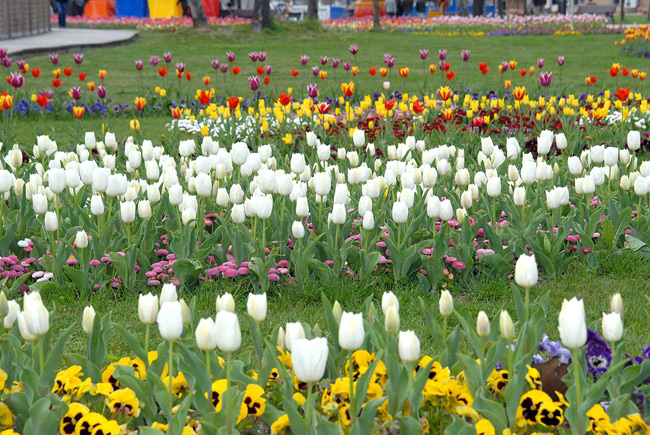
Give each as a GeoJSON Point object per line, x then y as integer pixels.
{"type": "Point", "coordinates": [351, 331]}
{"type": "Point", "coordinates": [572, 324]}
{"type": "Point", "coordinates": [225, 303]}
{"type": "Point", "coordinates": [206, 334]}
{"type": "Point", "coordinates": [51, 221]}
{"type": "Point", "coordinates": [257, 306]}
{"type": "Point", "coordinates": [309, 359]}
{"type": "Point", "coordinates": [612, 327]}
{"type": "Point", "coordinates": [293, 333]}
{"type": "Point", "coordinates": [148, 308]}
{"type": "Point", "coordinates": [170, 321]}
{"type": "Point", "coordinates": [88, 319]}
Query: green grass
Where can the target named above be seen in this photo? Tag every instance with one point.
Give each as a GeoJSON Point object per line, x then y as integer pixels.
{"type": "Point", "coordinates": [619, 272]}
{"type": "Point", "coordinates": [585, 55]}
{"type": "Point", "coordinates": [631, 19]}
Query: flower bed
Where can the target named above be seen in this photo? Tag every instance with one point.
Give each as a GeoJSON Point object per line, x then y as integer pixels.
{"type": "Point", "coordinates": [361, 374]}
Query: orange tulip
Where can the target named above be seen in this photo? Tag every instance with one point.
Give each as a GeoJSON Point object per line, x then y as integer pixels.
{"type": "Point", "coordinates": [294, 72]}
{"type": "Point", "coordinates": [513, 64]}
{"type": "Point", "coordinates": [102, 74]}
{"type": "Point", "coordinates": [372, 71]}
{"type": "Point", "coordinates": [233, 102]}
{"type": "Point", "coordinates": [56, 83]}
{"type": "Point", "coordinates": [36, 72]}
{"type": "Point", "coordinates": [82, 76]}
{"type": "Point", "coordinates": [383, 72]}
{"type": "Point", "coordinates": [355, 70]}
{"type": "Point", "coordinates": [91, 86]}
{"type": "Point", "coordinates": [432, 68]}
{"type": "Point", "coordinates": [323, 74]}
{"type": "Point", "coordinates": [42, 100]}
{"type": "Point", "coordinates": [78, 112]}
{"type": "Point", "coordinates": [348, 89]}
{"type": "Point", "coordinates": [162, 71]}
{"type": "Point", "coordinates": [236, 70]}
{"type": "Point", "coordinates": [204, 97]}
{"type": "Point", "coordinates": [519, 93]}
{"type": "Point", "coordinates": [56, 73]}
{"type": "Point", "coordinates": [176, 112]}
{"type": "Point", "coordinates": [508, 84]}
{"type": "Point", "coordinates": [447, 114]}
{"type": "Point", "coordinates": [403, 71]}
{"type": "Point", "coordinates": [451, 75]}
{"type": "Point", "coordinates": [140, 102]}
{"type": "Point", "coordinates": [267, 80]}
{"type": "Point", "coordinates": [418, 107]}
{"type": "Point", "coordinates": [444, 93]}
{"type": "Point", "coordinates": [284, 99]}
{"type": "Point", "coordinates": [67, 71]}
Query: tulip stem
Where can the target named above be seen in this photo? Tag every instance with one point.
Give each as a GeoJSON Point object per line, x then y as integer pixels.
{"type": "Point", "coordinates": [353, 414]}
{"type": "Point", "coordinates": [308, 408]}
{"type": "Point", "coordinates": [207, 364]}
{"type": "Point", "coordinates": [147, 331]}
{"type": "Point", "coordinates": [228, 392]}
{"type": "Point", "coordinates": [527, 301]}
{"type": "Point", "coordinates": [170, 423]}
{"type": "Point", "coordinates": [41, 355]}
{"type": "Point", "coordinates": [576, 368]}
{"type": "Point", "coordinates": [444, 329]}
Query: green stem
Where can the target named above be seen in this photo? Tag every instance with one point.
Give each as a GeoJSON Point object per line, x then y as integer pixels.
{"type": "Point", "coordinates": [41, 355]}
{"type": "Point", "coordinates": [170, 423]}
{"type": "Point", "coordinates": [207, 363]}
{"type": "Point", "coordinates": [308, 407]}
{"type": "Point", "coordinates": [444, 329]}
{"type": "Point", "coordinates": [228, 393]}
{"type": "Point", "coordinates": [353, 414]}
{"type": "Point", "coordinates": [527, 301]}
{"type": "Point", "coordinates": [576, 368]}
{"type": "Point", "coordinates": [147, 331]}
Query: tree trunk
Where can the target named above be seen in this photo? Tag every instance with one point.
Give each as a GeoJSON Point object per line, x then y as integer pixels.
{"type": "Point", "coordinates": [477, 7]}
{"type": "Point", "coordinates": [622, 11]}
{"type": "Point", "coordinates": [261, 15]}
{"type": "Point", "coordinates": [376, 24]}
{"type": "Point", "coordinates": [198, 13]}
{"type": "Point", "coordinates": [312, 9]}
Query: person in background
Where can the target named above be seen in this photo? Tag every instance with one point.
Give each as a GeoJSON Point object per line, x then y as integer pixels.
{"type": "Point", "coordinates": [390, 6]}
{"type": "Point", "coordinates": [61, 8]}
{"type": "Point", "coordinates": [421, 8]}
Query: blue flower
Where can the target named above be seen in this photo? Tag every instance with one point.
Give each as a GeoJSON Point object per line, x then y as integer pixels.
{"type": "Point", "coordinates": [554, 349]}
{"type": "Point", "coordinates": [599, 354]}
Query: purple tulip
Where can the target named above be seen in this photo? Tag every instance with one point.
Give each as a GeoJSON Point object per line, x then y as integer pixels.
{"type": "Point", "coordinates": [154, 60]}
{"type": "Point", "coordinates": [6, 61]}
{"type": "Point", "coordinates": [560, 60]}
{"type": "Point", "coordinates": [214, 63]}
{"type": "Point", "coordinates": [312, 90]}
{"type": "Point", "coordinates": [76, 93]}
{"type": "Point", "coordinates": [504, 66]}
{"type": "Point", "coordinates": [180, 66]}
{"type": "Point", "coordinates": [20, 64]}
{"type": "Point", "coordinates": [261, 56]}
{"type": "Point", "coordinates": [254, 83]}
{"type": "Point", "coordinates": [347, 66]}
{"type": "Point", "coordinates": [231, 56]}
{"type": "Point", "coordinates": [78, 58]}
{"type": "Point", "coordinates": [545, 79]}
{"type": "Point", "coordinates": [267, 69]}
{"type": "Point", "coordinates": [442, 54]}
{"type": "Point", "coordinates": [442, 65]}
{"type": "Point", "coordinates": [54, 57]}
{"type": "Point", "coordinates": [540, 63]}
{"type": "Point", "coordinates": [424, 53]}
{"type": "Point", "coordinates": [389, 60]}
{"type": "Point", "coordinates": [254, 56]}
{"type": "Point", "coordinates": [304, 59]}
{"type": "Point", "coordinates": [16, 79]}
{"type": "Point", "coordinates": [167, 57]}
{"type": "Point", "coordinates": [3, 53]}
{"type": "Point", "coordinates": [323, 60]}
{"type": "Point", "coordinates": [354, 49]}
{"type": "Point", "coordinates": [138, 65]}
{"type": "Point", "coordinates": [224, 67]}
{"type": "Point", "coordinates": [465, 55]}
{"type": "Point", "coordinates": [315, 70]}
{"type": "Point", "coordinates": [101, 91]}
{"type": "Point", "coordinates": [335, 62]}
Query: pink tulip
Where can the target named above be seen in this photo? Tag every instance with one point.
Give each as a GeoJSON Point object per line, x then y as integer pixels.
{"type": "Point", "coordinates": [261, 56]}
{"type": "Point", "coordinates": [540, 63]}
{"type": "Point", "coordinates": [315, 70]}
{"type": "Point", "coordinates": [54, 57]}
{"type": "Point", "coordinates": [76, 93]}
{"type": "Point", "coordinates": [214, 63]}
{"type": "Point", "coordinates": [254, 83]}
{"type": "Point", "coordinates": [138, 65]}
{"type": "Point", "coordinates": [424, 53]}
{"type": "Point", "coordinates": [464, 55]}
{"type": "Point", "coordinates": [347, 66]}
{"type": "Point", "coordinates": [268, 69]}
{"type": "Point", "coordinates": [304, 59]}
{"type": "Point", "coordinates": [3, 53]}
{"type": "Point", "coordinates": [442, 54]}
{"type": "Point", "coordinates": [101, 91]}
{"type": "Point", "coordinates": [167, 57]}
{"type": "Point", "coordinates": [354, 49]}
{"type": "Point", "coordinates": [78, 58]}
{"type": "Point", "coordinates": [312, 91]}
{"type": "Point", "coordinates": [224, 67]}
{"type": "Point", "coordinates": [560, 60]}
{"type": "Point", "coordinates": [323, 60]}
{"type": "Point", "coordinates": [253, 55]}
{"type": "Point", "coordinates": [154, 60]}
{"type": "Point", "coordinates": [335, 62]}
{"type": "Point", "coordinates": [230, 56]}
{"type": "Point", "coordinates": [545, 79]}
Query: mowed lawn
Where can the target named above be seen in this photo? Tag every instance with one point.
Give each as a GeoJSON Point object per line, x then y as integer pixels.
{"type": "Point", "coordinates": [585, 55]}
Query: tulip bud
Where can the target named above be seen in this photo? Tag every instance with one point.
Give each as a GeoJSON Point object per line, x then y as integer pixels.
{"type": "Point", "coordinates": [13, 309]}
{"type": "Point", "coordinates": [506, 326]}
{"type": "Point", "coordinates": [351, 331]}
{"type": "Point", "coordinates": [280, 342]}
{"type": "Point", "coordinates": [297, 230]}
{"type": "Point", "coordinates": [127, 210]}
{"type": "Point", "coordinates": [494, 187]}
{"type": "Point", "coordinates": [309, 359]}
{"type": "Point", "coordinates": [482, 325]}
{"type": "Point", "coordinates": [148, 308]}
{"type": "Point", "coordinates": [612, 327]}
{"type": "Point", "coordinates": [206, 334]}
{"type": "Point", "coordinates": [170, 320]}
{"type": "Point", "coordinates": [96, 205]}
{"type": "Point", "coordinates": [36, 316]}
{"type": "Point", "coordinates": [391, 319]}
{"type": "Point", "coordinates": [188, 216]}
{"type": "Point", "coordinates": [39, 202]}
{"type": "Point", "coordinates": [338, 214]}
{"type": "Point", "coordinates": [238, 214]}
{"type": "Point", "coordinates": [519, 196]}
{"type": "Point", "coordinates": [400, 212]}
{"type": "Point", "coordinates": [225, 303]}
{"type": "Point", "coordinates": [389, 299]}
{"type": "Point", "coordinates": [185, 310]}
{"type": "Point", "coordinates": [4, 307]}
{"type": "Point", "coordinates": [572, 324]}
{"type": "Point", "coordinates": [88, 319]}
{"type": "Point", "coordinates": [81, 239]}
{"type": "Point", "coordinates": [293, 333]}
{"type": "Point", "coordinates": [634, 140]}
{"type": "Point", "coordinates": [257, 306]}
{"type": "Point", "coordinates": [526, 271]}
{"type": "Point", "coordinates": [409, 346]}
{"type": "Point", "coordinates": [302, 207]}
{"type": "Point", "coordinates": [24, 329]}
{"type": "Point", "coordinates": [359, 137]}
{"type": "Point", "coordinates": [51, 222]}
{"type": "Point", "coordinates": [168, 293]}
{"type": "Point", "coordinates": [368, 221]}
{"type": "Point", "coordinates": [337, 311]}
{"type": "Point", "coordinates": [446, 304]}
{"type": "Point", "coordinates": [617, 304]}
